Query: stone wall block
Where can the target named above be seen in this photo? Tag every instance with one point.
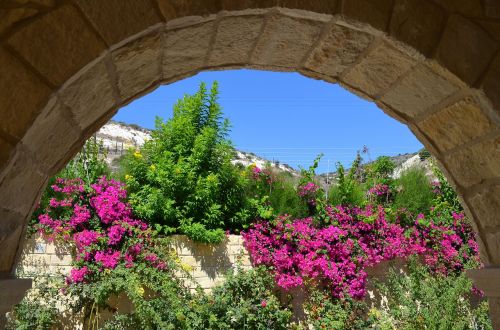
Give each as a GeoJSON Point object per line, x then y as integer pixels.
{"type": "Point", "coordinates": [338, 51]}
{"type": "Point", "coordinates": [179, 8]}
{"type": "Point", "coordinates": [491, 82]}
{"type": "Point", "coordinates": [484, 204]}
{"type": "Point", "coordinates": [61, 43]}
{"type": "Point", "coordinates": [379, 69]}
{"type": "Point", "coordinates": [185, 49]}
{"type": "Point", "coordinates": [117, 19]}
{"type": "Point", "coordinates": [52, 144]}
{"type": "Point", "coordinates": [23, 95]}
{"type": "Point", "coordinates": [21, 185]}
{"type": "Point", "coordinates": [493, 244]}
{"type": "Point", "coordinates": [374, 12]}
{"type": "Point", "coordinates": [138, 65]}
{"type": "Point", "coordinates": [475, 163]}
{"type": "Point", "coordinates": [9, 17]}
{"type": "Point", "coordinates": [465, 49]}
{"type": "Point", "coordinates": [6, 150]}
{"type": "Point", "coordinates": [235, 38]}
{"type": "Point", "coordinates": [418, 23]}
{"type": "Point", "coordinates": [11, 226]}
{"type": "Point", "coordinates": [285, 41]}
{"type": "Point", "coordinates": [418, 91]}
{"type": "Point", "coordinates": [90, 95]}
{"type": "Point", "coordinates": [449, 127]}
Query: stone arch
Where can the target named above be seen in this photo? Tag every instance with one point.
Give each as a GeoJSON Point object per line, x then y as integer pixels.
{"type": "Point", "coordinates": [67, 66]}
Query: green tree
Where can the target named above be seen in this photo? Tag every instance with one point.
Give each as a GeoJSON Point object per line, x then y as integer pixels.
{"type": "Point", "coordinates": [183, 179]}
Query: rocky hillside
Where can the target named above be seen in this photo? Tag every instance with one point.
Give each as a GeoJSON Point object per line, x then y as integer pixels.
{"type": "Point", "coordinates": [118, 137]}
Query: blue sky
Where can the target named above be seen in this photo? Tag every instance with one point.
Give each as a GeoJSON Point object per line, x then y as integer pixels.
{"type": "Point", "coordinates": [286, 117]}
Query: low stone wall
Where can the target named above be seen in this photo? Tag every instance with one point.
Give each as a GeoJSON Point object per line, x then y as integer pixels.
{"type": "Point", "coordinates": [206, 263]}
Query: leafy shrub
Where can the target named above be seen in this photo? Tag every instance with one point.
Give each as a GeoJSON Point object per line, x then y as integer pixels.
{"type": "Point", "coordinates": [415, 193]}
{"type": "Point", "coordinates": [245, 300]}
{"type": "Point", "coordinates": [38, 309]}
{"type": "Point", "coordinates": [183, 178]}
{"type": "Point", "coordinates": [326, 312]}
{"type": "Point", "coordinates": [420, 299]}
{"type": "Point", "coordinates": [348, 191]}
{"type": "Point", "coordinates": [380, 170]}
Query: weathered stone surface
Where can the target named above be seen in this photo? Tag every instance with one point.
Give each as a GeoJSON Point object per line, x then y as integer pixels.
{"type": "Point", "coordinates": [60, 44]}
{"type": "Point", "coordinates": [90, 96]}
{"type": "Point", "coordinates": [323, 7]}
{"type": "Point", "coordinates": [465, 49]}
{"type": "Point", "coordinates": [468, 8]}
{"type": "Point", "coordinates": [485, 205]}
{"type": "Point", "coordinates": [236, 37]}
{"type": "Point", "coordinates": [418, 23]}
{"type": "Point", "coordinates": [138, 64]}
{"type": "Point", "coordinates": [491, 83]}
{"type": "Point", "coordinates": [22, 96]}
{"type": "Point", "coordinates": [379, 69]}
{"type": "Point", "coordinates": [9, 17]}
{"type": "Point", "coordinates": [52, 144]}
{"type": "Point", "coordinates": [419, 90]}
{"type": "Point", "coordinates": [493, 243]}
{"type": "Point", "coordinates": [491, 9]}
{"type": "Point", "coordinates": [338, 51]}
{"type": "Point", "coordinates": [21, 185]}
{"type": "Point", "coordinates": [492, 27]}
{"type": "Point", "coordinates": [11, 226]}
{"type": "Point", "coordinates": [286, 41]}
{"type": "Point", "coordinates": [180, 8]}
{"type": "Point", "coordinates": [185, 49]}
{"type": "Point", "coordinates": [478, 162]}
{"type": "Point", "coordinates": [448, 128]}
{"type": "Point", "coordinates": [117, 19]}
{"type": "Point", "coordinates": [13, 290]}
{"type": "Point", "coordinates": [5, 151]}
{"type": "Point", "coordinates": [246, 4]}
{"type": "Point", "coordinates": [374, 12]}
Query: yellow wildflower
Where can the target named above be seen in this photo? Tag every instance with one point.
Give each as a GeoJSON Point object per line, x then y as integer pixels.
{"type": "Point", "coordinates": [187, 268]}
{"type": "Point", "coordinates": [137, 154]}
{"type": "Point", "coordinates": [152, 167]}
{"type": "Point", "coordinates": [128, 176]}
{"type": "Point", "coordinates": [140, 291]}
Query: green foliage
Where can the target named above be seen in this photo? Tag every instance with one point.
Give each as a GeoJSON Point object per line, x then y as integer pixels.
{"type": "Point", "coordinates": [183, 177]}
{"type": "Point", "coordinates": [415, 193]}
{"type": "Point", "coordinates": [245, 301]}
{"type": "Point", "coordinates": [38, 309]}
{"type": "Point", "coordinates": [380, 170]}
{"type": "Point", "coordinates": [421, 300]}
{"type": "Point", "coordinates": [325, 312]}
{"type": "Point", "coordinates": [424, 154]}
{"type": "Point", "coordinates": [348, 190]}
{"type": "Point", "coordinates": [446, 197]}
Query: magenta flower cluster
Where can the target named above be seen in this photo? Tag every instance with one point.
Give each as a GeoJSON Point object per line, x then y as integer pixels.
{"type": "Point", "coordinates": [100, 224]}
{"type": "Point", "coordinates": [308, 192]}
{"type": "Point", "coordinates": [336, 256]}
{"type": "Point", "coordinates": [379, 190]}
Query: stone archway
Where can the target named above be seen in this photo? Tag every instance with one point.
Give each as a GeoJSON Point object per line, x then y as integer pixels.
{"type": "Point", "coordinates": [67, 66]}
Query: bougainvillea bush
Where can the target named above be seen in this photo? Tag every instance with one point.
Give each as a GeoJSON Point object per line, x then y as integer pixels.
{"type": "Point", "coordinates": [115, 254]}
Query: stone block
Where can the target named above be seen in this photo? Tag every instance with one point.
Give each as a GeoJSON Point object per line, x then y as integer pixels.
{"type": "Point", "coordinates": [23, 96]}
{"type": "Point", "coordinates": [465, 49]}
{"type": "Point", "coordinates": [475, 163]}
{"type": "Point", "coordinates": [492, 239]}
{"type": "Point", "coordinates": [485, 205]}
{"type": "Point", "coordinates": [138, 65]}
{"type": "Point", "coordinates": [418, 91]}
{"type": "Point", "coordinates": [13, 290]}
{"type": "Point", "coordinates": [6, 150]}
{"type": "Point", "coordinates": [21, 185]}
{"type": "Point", "coordinates": [285, 41]}
{"type": "Point", "coordinates": [246, 4]}
{"type": "Point", "coordinates": [185, 49]}
{"type": "Point", "coordinates": [379, 70]}
{"type": "Point", "coordinates": [60, 43]}
{"type": "Point", "coordinates": [450, 127]}
{"type": "Point", "coordinates": [11, 227]}
{"type": "Point", "coordinates": [234, 240]}
{"type": "Point", "coordinates": [418, 23]}
{"type": "Point", "coordinates": [235, 39]}
{"type": "Point", "coordinates": [11, 16]}
{"type": "Point", "coordinates": [491, 83]}
{"type": "Point", "coordinates": [179, 8]}
{"type": "Point", "coordinates": [90, 95]}
{"type": "Point", "coordinates": [467, 8]}
{"type": "Point", "coordinates": [52, 144]}
{"type": "Point", "coordinates": [338, 50]}
{"type": "Point", "coordinates": [60, 259]}
{"type": "Point", "coordinates": [322, 7]}
{"type": "Point", "coordinates": [377, 13]}
{"type": "Point", "coordinates": [117, 19]}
